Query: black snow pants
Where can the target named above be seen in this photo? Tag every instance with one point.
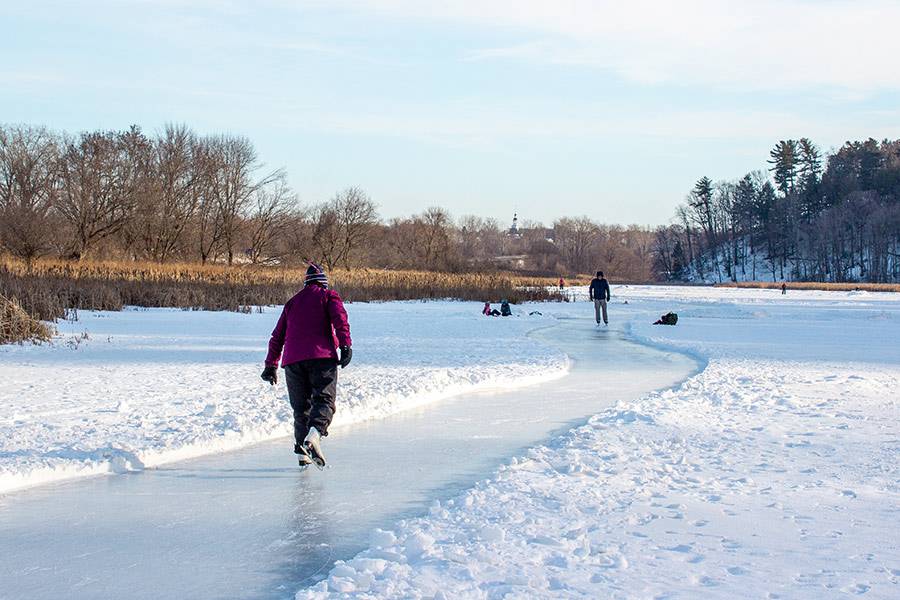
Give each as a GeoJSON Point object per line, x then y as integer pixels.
{"type": "Point", "coordinates": [312, 385]}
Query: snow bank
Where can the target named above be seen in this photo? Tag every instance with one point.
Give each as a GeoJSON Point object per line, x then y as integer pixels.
{"type": "Point", "coordinates": [773, 473]}
{"type": "Point", "coordinates": [722, 295]}
{"type": "Point", "coordinates": [145, 387]}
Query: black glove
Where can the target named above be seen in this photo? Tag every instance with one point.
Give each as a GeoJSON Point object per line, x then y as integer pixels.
{"type": "Point", "coordinates": [270, 374]}
{"type": "Point", "coordinates": [346, 355]}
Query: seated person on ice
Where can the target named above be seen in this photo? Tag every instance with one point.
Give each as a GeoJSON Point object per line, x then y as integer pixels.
{"type": "Point", "coordinates": [312, 326]}
{"type": "Point", "coordinates": [488, 311]}
{"type": "Point", "coordinates": [669, 318]}
{"type": "Point", "coordinates": [505, 310]}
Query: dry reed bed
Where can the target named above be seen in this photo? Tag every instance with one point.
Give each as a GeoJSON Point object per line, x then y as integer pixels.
{"type": "Point", "coordinates": [17, 326]}
{"type": "Point", "coordinates": [47, 288]}
{"type": "Point", "coordinates": [812, 285]}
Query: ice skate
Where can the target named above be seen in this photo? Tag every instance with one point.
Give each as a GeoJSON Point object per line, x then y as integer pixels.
{"type": "Point", "coordinates": [303, 458]}
{"type": "Point", "coordinates": [313, 447]}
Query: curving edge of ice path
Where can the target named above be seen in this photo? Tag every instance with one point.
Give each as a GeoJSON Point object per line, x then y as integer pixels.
{"type": "Point", "coordinates": [771, 473]}
{"type": "Point", "coordinates": [120, 392]}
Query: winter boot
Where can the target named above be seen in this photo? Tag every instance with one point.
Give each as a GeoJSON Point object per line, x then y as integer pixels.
{"type": "Point", "coordinates": [303, 458]}
{"type": "Point", "coordinates": [313, 447]}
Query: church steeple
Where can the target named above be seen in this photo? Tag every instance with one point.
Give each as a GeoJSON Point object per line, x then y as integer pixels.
{"type": "Point", "coordinates": [514, 230]}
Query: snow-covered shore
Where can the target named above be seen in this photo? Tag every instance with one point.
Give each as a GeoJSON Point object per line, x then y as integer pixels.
{"type": "Point", "coordinates": [147, 387]}
{"type": "Point", "coordinates": [771, 474]}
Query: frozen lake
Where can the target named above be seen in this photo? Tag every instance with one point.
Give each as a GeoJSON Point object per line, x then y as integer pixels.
{"type": "Point", "coordinates": [247, 524]}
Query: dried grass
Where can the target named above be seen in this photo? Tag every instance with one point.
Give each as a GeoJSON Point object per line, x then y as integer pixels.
{"type": "Point", "coordinates": [47, 288]}
{"type": "Point", "coordinates": [812, 285]}
{"type": "Point", "coordinates": [17, 326]}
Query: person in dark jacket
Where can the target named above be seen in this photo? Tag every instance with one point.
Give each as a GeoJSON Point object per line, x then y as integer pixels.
{"type": "Point", "coordinates": [669, 318]}
{"type": "Point", "coordinates": [599, 294]}
{"type": "Point", "coordinates": [312, 328]}
{"type": "Point", "coordinates": [505, 310]}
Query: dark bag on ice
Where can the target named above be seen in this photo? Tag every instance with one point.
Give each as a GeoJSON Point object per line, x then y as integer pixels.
{"type": "Point", "coordinates": [667, 319]}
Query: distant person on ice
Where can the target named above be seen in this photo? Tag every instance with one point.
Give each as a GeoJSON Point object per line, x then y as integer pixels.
{"type": "Point", "coordinates": [311, 329]}
{"type": "Point", "coordinates": [783, 289]}
{"type": "Point", "coordinates": [599, 293]}
{"type": "Point", "coordinates": [505, 310]}
{"type": "Point", "coordinates": [488, 311]}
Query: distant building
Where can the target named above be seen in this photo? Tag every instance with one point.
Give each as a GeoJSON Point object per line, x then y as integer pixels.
{"type": "Point", "coordinates": [514, 230]}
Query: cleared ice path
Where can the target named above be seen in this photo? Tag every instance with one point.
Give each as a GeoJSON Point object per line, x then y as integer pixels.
{"type": "Point", "coordinates": [248, 524]}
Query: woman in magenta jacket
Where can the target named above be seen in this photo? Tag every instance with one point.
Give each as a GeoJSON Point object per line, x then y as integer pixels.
{"type": "Point", "coordinates": [312, 328]}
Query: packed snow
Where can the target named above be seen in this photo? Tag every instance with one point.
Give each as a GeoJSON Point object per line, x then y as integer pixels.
{"type": "Point", "coordinates": [773, 473]}
{"type": "Point", "coordinates": [122, 391]}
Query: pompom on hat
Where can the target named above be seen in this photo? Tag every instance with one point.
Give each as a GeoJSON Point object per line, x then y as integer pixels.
{"type": "Point", "coordinates": [315, 274]}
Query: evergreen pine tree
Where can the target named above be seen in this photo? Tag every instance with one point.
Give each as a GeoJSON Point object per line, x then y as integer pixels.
{"type": "Point", "coordinates": [701, 201]}
{"type": "Point", "coordinates": [809, 167]}
{"type": "Point", "coordinates": [784, 165]}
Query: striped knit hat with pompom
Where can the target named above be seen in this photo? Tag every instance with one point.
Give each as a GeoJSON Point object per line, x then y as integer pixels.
{"type": "Point", "coordinates": [315, 274]}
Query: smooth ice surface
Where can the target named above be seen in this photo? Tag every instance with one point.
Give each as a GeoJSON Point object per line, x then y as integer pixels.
{"type": "Point", "coordinates": [247, 524]}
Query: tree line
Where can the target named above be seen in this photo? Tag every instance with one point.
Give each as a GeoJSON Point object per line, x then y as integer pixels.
{"type": "Point", "coordinates": [179, 196]}
{"type": "Point", "coordinates": [123, 193]}
{"type": "Point", "coordinates": [831, 219]}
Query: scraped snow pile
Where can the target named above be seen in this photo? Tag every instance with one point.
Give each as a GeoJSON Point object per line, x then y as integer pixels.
{"type": "Point", "coordinates": [145, 387]}
{"type": "Point", "coordinates": [773, 473]}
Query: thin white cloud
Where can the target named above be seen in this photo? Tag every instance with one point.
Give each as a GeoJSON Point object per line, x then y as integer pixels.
{"type": "Point", "coordinates": [32, 77]}
{"type": "Point", "coordinates": [502, 129]}
{"type": "Point", "coordinates": [312, 46]}
{"type": "Point", "coordinates": [765, 44]}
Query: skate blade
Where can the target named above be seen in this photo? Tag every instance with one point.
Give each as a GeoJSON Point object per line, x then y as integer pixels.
{"type": "Point", "coordinates": [317, 458]}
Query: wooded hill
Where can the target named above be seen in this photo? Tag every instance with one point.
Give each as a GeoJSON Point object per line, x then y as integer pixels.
{"type": "Point", "coordinates": [833, 219]}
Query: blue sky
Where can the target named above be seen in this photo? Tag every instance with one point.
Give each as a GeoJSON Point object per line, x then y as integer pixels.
{"type": "Point", "coordinates": [607, 109]}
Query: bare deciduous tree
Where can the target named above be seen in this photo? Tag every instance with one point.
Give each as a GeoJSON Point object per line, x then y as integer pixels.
{"type": "Point", "coordinates": [480, 239]}
{"type": "Point", "coordinates": [574, 237]}
{"type": "Point", "coordinates": [229, 170]}
{"type": "Point", "coordinates": [172, 196]}
{"type": "Point", "coordinates": [28, 188]}
{"type": "Point", "coordinates": [268, 221]}
{"type": "Point", "coordinates": [102, 178]}
{"type": "Point", "coordinates": [326, 234]}
{"type": "Point", "coordinates": [207, 223]}
{"type": "Point", "coordinates": [296, 243]}
{"type": "Point", "coordinates": [436, 238]}
{"type": "Point", "coordinates": [342, 226]}
{"type": "Point", "coordinates": [357, 215]}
